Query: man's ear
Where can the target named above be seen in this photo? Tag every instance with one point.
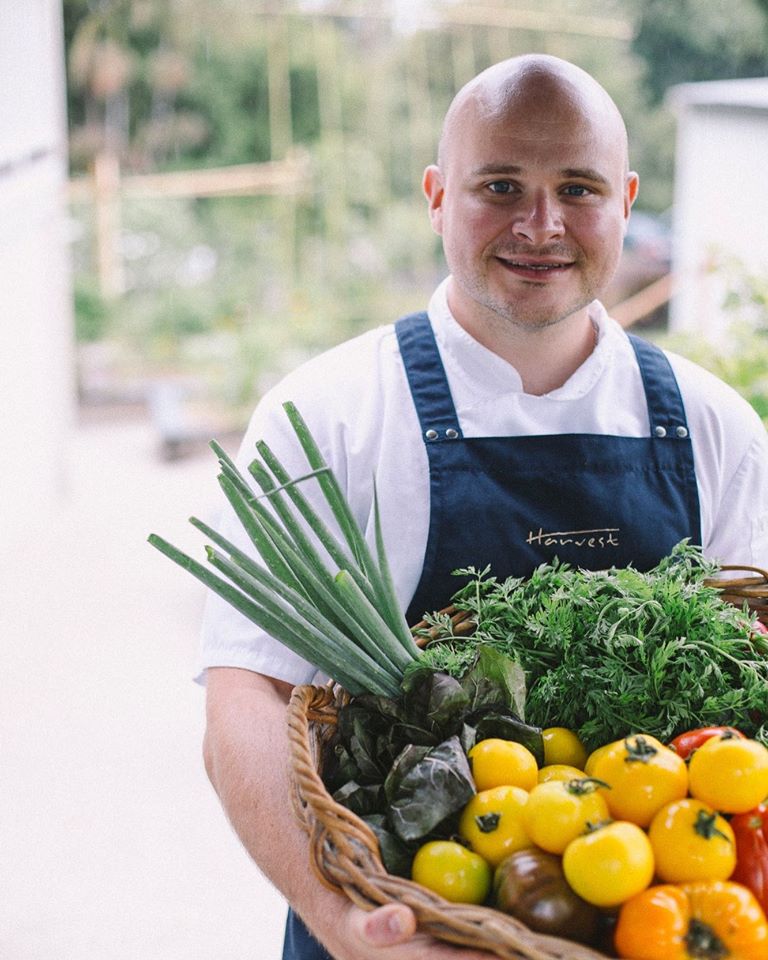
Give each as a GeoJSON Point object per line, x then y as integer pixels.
{"type": "Point", "coordinates": [630, 192]}
{"type": "Point", "coordinates": [433, 188]}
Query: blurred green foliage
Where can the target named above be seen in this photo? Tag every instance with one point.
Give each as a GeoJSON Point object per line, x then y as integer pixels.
{"type": "Point", "coordinates": [256, 282]}
{"type": "Point", "coordinates": [740, 358]}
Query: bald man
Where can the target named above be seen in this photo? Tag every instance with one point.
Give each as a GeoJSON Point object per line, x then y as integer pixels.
{"type": "Point", "coordinates": [510, 423]}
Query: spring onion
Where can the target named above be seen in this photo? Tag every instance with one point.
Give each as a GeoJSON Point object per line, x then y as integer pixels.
{"type": "Point", "coordinates": [348, 623]}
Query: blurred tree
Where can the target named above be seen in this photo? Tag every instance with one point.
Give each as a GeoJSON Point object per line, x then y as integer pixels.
{"type": "Point", "coordinates": [683, 41]}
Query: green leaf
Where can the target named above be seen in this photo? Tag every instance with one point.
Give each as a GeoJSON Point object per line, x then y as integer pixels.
{"type": "Point", "coordinates": [438, 785]}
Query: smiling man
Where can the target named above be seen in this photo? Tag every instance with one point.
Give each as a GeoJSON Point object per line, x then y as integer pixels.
{"type": "Point", "coordinates": [510, 423]}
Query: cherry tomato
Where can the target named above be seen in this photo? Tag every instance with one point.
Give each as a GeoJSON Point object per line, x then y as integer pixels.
{"type": "Point", "coordinates": [492, 823]}
{"type": "Point", "coordinates": [694, 921]}
{"type": "Point", "coordinates": [562, 745]}
{"type": "Point", "coordinates": [730, 774]}
{"type": "Point", "coordinates": [751, 832]}
{"type": "Point", "coordinates": [560, 810]}
{"type": "Point", "coordinates": [690, 842]}
{"type": "Point", "coordinates": [559, 771]}
{"type": "Point", "coordinates": [502, 763]}
{"type": "Point", "coordinates": [450, 870]}
{"type": "Point", "coordinates": [643, 776]}
{"type": "Point", "coordinates": [691, 740]}
{"type": "Point", "coordinates": [610, 864]}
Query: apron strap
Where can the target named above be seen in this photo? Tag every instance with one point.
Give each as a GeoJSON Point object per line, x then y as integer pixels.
{"type": "Point", "coordinates": [666, 412]}
{"type": "Point", "coordinates": [427, 380]}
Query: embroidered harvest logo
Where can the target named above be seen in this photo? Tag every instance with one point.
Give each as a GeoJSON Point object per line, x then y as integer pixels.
{"type": "Point", "coordinates": [603, 537]}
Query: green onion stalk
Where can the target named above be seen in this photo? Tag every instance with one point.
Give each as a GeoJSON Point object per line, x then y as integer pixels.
{"type": "Point", "coordinates": [349, 624]}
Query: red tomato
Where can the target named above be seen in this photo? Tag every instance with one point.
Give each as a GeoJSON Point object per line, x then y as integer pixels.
{"type": "Point", "coordinates": [751, 832]}
{"type": "Point", "coordinates": [691, 740]}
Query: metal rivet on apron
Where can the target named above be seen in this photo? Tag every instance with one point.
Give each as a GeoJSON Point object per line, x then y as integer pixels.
{"type": "Point", "coordinates": [451, 433]}
{"type": "Point", "coordinates": [431, 434]}
{"type": "Point", "coordinates": [681, 432]}
{"type": "Point", "coordinates": [660, 431]}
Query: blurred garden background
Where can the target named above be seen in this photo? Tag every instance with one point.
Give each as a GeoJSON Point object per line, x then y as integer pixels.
{"type": "Point", "coordinates": [194, 197]}
{"type": "Point", "coordinates": [245, 175]}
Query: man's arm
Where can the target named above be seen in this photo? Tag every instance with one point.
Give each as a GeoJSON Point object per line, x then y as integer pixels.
{"type": "Point", "coordinates": [246, 755]}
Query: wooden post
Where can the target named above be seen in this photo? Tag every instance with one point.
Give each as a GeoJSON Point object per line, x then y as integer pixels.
{"type": "Point", "coordinates": [281, 143]}
{"type": "Point", "coordinates": [331, 120]}
{"type": "Point", "coordinates": [279, 89]}
{"type": "Point", "coordinates": [107, 224]}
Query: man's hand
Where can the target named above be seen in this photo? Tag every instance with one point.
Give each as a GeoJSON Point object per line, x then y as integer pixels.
{"type": "Point", "coordinates": [389, 933]}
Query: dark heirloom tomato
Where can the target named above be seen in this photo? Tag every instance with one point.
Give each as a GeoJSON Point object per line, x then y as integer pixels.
{"type": "Point", "coordinates": [751, 832]}
{"type": "Point", "coordinates": [530, 885]}
{"type": "Point", "coordinates": [691, 740]}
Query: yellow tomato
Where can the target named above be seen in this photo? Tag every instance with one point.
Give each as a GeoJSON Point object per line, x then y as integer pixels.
{"type": "Point", "coordinates": [450, 870]}
{"type": "Point", "coordinates": [643, 776]}
{"type": "Point", "coordinates": [560, 810]}
{"type": "Point", "coordinates": [691, 842]}
{"type": "Point", "coordinates": [502, 763]}
{"type": "Point", "coordinates": [492, 823]}
{"type": "Point", "coordinates": [610, 864]}
{"type": "Point", "coordinates": [729, 774]}
{"type": "Point", "coordinates": [562, 745]}
{"type": "Point", "coordinates": [559, 771]}
{"type": "Point", "coordinates": [589, 764]}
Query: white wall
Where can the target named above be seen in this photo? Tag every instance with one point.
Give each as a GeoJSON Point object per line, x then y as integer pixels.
{"type": "Point", "coordinates": [36, 343]}
{"type": "Point", "coordinates": [721, 202]}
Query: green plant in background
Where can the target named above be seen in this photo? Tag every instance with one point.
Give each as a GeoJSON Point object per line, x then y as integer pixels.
{"type": "Point", "coordinates": [741, 359]}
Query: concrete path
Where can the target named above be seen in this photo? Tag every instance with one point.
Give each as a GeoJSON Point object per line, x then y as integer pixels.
{"type": "Point", "coordinates": [112, 842]}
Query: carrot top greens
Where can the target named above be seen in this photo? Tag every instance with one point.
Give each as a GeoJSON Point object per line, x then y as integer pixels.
{"type": "Point", "coordinates": [613, 652]}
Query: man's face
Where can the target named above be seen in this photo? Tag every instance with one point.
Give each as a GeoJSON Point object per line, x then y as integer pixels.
{"type": "Point", "coordinates": [532, 207]}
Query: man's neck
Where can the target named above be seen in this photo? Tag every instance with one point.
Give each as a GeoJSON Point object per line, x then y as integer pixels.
{"type": "Point", "coordinates": [544, 357]}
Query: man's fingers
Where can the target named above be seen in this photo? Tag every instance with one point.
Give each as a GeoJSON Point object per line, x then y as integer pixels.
{"type": "Point", "coordinates": [385, 926]}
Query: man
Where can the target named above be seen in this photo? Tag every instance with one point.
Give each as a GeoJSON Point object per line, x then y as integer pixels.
{"type": "Point", "coordinates": [514, 423]}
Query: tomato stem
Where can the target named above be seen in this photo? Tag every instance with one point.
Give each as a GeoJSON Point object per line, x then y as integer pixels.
{"type": "Point", "coordinates": [702, 943]}
{"type": "Point", "coordinates": [705, 826]}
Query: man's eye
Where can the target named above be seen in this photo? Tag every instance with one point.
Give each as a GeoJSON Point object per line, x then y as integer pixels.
{"type": "Point", "coordinates": [577, 190]}
{"type": "Point", "coordinates": [500, 186]}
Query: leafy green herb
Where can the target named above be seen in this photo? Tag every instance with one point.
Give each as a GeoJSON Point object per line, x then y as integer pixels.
{"type": "Point", "coordinates": [617, 651]}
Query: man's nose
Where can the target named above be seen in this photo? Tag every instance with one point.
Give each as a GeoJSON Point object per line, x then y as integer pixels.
{"type": "Point", "coordinates": [539, 219]}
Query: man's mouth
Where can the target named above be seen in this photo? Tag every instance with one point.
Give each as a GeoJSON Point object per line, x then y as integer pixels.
{"type": "Point", "coordinates": [535, 267]}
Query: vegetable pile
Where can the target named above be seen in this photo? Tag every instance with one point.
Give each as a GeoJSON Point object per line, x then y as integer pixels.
{"type": "Point", "coordinates": [609, 652]}
{"type": "Point", "coordinates": [645, 852]}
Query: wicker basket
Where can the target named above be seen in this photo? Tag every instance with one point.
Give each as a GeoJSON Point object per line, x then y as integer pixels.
{"type": "Point", "coordinates": [752, 589]}
{"type": "Point", "coordinates": [345, 852]}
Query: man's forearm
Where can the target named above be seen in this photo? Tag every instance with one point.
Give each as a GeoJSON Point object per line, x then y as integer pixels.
{"type": "Point", "coordinates": [246, 756]}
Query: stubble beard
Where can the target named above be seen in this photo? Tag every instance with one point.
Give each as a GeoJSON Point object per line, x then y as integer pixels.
{"type": "Point", "coordinates": [502, 314]}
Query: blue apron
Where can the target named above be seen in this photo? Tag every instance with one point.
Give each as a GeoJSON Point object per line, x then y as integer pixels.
{"type": "Point", "coordinates": [517, 501]}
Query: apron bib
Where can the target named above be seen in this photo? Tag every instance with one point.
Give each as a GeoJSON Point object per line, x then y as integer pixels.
{"type": "Point", "coordinates": [593, 501]}
{"type": "Point", "coordinates": [515, 502]}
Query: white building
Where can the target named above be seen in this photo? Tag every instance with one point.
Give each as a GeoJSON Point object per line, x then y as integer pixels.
{"type": "Point", "coordinates": [36, 365]}
{"type": "Point", "coordinates": [721, 196]}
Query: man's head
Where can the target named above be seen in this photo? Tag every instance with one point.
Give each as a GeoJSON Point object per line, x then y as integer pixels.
{"type": "Point", "coordinates": [531, 193]}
